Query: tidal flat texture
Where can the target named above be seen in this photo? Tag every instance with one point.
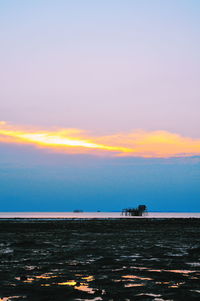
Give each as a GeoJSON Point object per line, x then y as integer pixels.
{"type": "Point", "coordinates": [130, 259]}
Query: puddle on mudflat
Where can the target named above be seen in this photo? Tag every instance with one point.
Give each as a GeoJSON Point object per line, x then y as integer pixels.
{"type": "Point", "coordinates": [6, 251]}
{"type": "Point", "coordinates": [27, 280]}
{"type": "Point", "coordinates": [174, 254]}
{"type": "Point", "coordinates": [36, 277]}
{"type": "Point", "coordinates": [93, 299]}
{"type": "Point", "coordinates": [73, 262]}
{"type": "Point", "coordinates": [11, 298]}
{"type": "Point", "coordinates": [176, 285]}
{"type": "Point", "coordinates": [136, 277]}
{"type": "Point", "coordinates": [185, 272]}
{"type": "Point", "coordinates": [153, 259]}
{"type": "Point", "coordinates": [194, 264]}
{"type": "Point", "coordinates": [131, 256]}
{"type": "Point", "coordinates": [180, 271]}
{"type": "Point", "coordinates": [88, 278]}
{"type": "Point", "coordinates": [133, 284]}
{"type": "Point", "coordinates": [70, 282]}
{"type": "Point", "coordinates": [46, 276]}
{"type": "Point", "coordinates": [149, 294]}
{"type": "Point", "coordinates": [196, 291]}
{"type": "Point", "coordinates": [84, 288]}
{"type": "Point", "coordinates": [30, 267]}
{"type": "Point", "coordinates": [66, 283]}
{"type": "Point", "coordinates": [138, 268]}
{"type": "Point", "coordinates": [117, 270]}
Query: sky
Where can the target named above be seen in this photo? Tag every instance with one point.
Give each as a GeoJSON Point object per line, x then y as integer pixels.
{"type": "Point", "coordinates": [99, 105]}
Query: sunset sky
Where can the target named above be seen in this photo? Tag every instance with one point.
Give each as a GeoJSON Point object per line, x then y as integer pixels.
{"type": "Point", "coordinates": [99, 105]}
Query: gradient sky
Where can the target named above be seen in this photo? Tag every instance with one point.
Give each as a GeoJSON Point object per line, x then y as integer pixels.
{"type": "Point", "coordinates": [99, 105]}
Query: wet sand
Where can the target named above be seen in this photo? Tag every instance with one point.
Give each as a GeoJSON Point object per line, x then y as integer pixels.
{"type": "Point", "coordinates": [129, 259]}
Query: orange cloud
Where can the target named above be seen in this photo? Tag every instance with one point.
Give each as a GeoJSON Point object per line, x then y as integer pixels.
{"type": "Point", "coordinates": [137, 143]}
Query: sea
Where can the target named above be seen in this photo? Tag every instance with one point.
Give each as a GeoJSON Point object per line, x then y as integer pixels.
{"type": "Point", "coordinates": [94, 215]}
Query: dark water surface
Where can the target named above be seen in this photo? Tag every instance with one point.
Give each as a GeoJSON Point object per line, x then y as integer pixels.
{"type": "Point", "coordinates": [129, 259]}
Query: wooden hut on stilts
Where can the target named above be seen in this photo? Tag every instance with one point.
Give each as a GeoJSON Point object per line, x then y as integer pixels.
{"type": "Point", "coordinates": [139, 211]}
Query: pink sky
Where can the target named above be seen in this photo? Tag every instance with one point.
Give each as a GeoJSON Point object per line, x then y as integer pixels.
{"type": "Point", "coordinates": [105, 67]}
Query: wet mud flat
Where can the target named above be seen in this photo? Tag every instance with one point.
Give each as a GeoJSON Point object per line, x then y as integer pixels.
{"type": "Point", "coordinates": [129, 259]}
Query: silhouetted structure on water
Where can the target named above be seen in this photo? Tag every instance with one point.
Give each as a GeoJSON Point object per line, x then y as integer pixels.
{"type": "Point", "coordinates": [139, 211]}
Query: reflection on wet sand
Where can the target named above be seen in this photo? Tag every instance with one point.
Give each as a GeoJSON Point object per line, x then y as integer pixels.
{"type": "Point", "coordinates": [81, 286]}
{"type": "Point", "coordinates": [88, 278]}
{"type": "Point", "coordinates": [194, 264]}
{"type": "Point", "coordinates": [70, 282]}
{"type": "Point", "coordinates": [134, 284]}
{"type": "Point", "coordinates": [85, 288]}
{"type": "Point", "coordinates": [180, 271]}
{"type": "Point", "coordinates": [136, 277]}
{"type": "Point", "coordinates": [149, 295]}
{"type": "Point", "coordinates": [65, 260]}
{"type": "Point", "coordinates": [80, 283]}
{"type": "Point", "coordinates": [93, 299]}
{"type": "Point", "coordinates": [176, 285]}
{"type": "Point", "coordinates": [36, 277]}
{"type": "Point", "coordinates": [184, 272]}
{"type": "Point", "coordinates": [10, 298]}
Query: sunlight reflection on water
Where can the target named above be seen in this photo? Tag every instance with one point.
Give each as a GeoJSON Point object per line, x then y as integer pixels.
{"type": "Point", "coordinates": [81, 286]}
{"type": "Point", "coordinates": [136, 277]}
{"type": "Point", "coordinates": [11, 298]}
{"type": "Point", "coordinates": [134, 284]}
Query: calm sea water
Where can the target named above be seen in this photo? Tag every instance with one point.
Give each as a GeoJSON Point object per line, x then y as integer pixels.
{"type": "Point", "coordinates": [58, 215]}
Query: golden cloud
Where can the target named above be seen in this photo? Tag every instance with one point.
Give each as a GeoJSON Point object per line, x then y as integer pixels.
{"type": "Point", "coordinates": [136, 143]}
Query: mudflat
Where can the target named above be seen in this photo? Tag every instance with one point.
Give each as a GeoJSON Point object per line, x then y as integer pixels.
{"type": "Point", "coordinates": [110, 259]}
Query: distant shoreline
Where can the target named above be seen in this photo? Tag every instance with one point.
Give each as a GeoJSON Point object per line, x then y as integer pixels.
{"type": "Point", "coordinates": [96, 215]}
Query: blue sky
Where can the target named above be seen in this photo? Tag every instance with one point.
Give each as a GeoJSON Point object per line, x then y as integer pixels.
{"type": "Point", "coordinates": [32, 180]}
